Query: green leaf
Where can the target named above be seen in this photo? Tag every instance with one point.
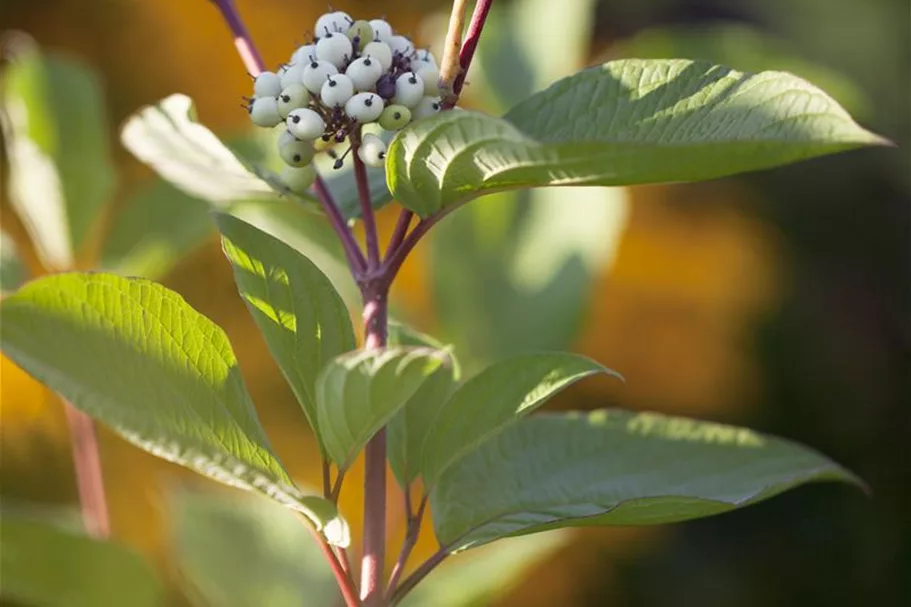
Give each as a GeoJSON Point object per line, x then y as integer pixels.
{"type": "Point", "coordinates": [484, 576]}
{"type": "Point", "coordinates": [407, 429]}
{"type": "Point", "coordinates": [360, 391]}
{"type": "Point", "coordinates": [497, 397]}
{"type": "Point", "coordinates": [54, 125]}
{"type": "Point", "coordinates": [48, 566]}
{"type": "Point", "coordinates": [156, 227]}
{"type": "Point", "coordinates": [303, 319]}
{"type": "Point", "coordinates": [622, 123]}
{"type": "Point", "coordinates": [613, 468]}
{"type": "Point", "coordinates": [343, 187]}
{"type": "Point", "coordinates": [137, 357]}
{"type": "Point", "coordinates": [168, 138]}
{"type": "Point", "coordinates": [247, 551]}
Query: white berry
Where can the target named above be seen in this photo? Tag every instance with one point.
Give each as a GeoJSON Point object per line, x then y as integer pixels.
{"type": "Point", "coordinates": [427, 107]}
{"type": "Point", "coordinates": [431, 77]}
{"type": "Point", "coordinates": [365, 107]}
{"type": "Point", "coordinates": [304, 54]}
{"type": "Point", "coordinates": [285, 137]}
{"type": "Point", "coordinates": [267, 84]}
{"type": "Point", "coordinates": [426, 56]}
{"type": "Point", "coordinates": [382, 31]}
{"type": "Point", "coordinates": [291, 98]}
{"type": "Point", "coordinates": [315, 74]}
{"type": "Point", "coordinates": [409, 90]}
{"type": "Point", "coordinates": [294, 152]}
{"type": "Point", "coordinates": [291, 74]}
{"type": "Point", "coordinates": [299, 179]}
{"type": "Point", "coordinates": [379, 51]}
{"type": "Point", "coordinates": [264, 111]}
{"type": "Point", "coordinates": [364, 73]}
{"type": "Point", "coordinates": [305, 124]}
{"type": "Point", "coordinates": [337, 90]}
{"type": "Point", "coordinates": [339, 21]}
{"type": "Point", "coordinates": [335, 49]}
{"type": "Point", "coordinates": [401, 45]}
{"type": "Point", "coordinates": [372, 150]}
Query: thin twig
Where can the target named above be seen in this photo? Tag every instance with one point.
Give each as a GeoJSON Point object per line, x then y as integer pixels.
{"type": "Point", "coordinates": [401, 230]}
{"type": "Point", "coordinates": [411, 538]}
{"type": "Point", "coordinates": [475, 27]}
{"type": "Point", "coordinates": [337, 486]}
{"type": "Point", "coordinates": [353, 253]}
{"type": "Point", "coordinates": [450, 65]}
{"type": "Point", "coordinates": [393, 262]}
{"type": "Point", "coordinates": [89, 477]}
{"type": "Point", "coordinates": [418, 574]}
{"type": "Point", "coordinates": [345, 583]}
{"type": "Point", "coordinates": [367, 216]}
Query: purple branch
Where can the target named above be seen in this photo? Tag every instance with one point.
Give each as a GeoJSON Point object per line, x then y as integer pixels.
{"type": "Point", "coordinates": [356, 260]}
{"type": "Point", "coordinates": [363, 192]}
{"type": "Point", "coordinates": [253, 62]}
{"type": "Point", "coordinates": [401, 229]}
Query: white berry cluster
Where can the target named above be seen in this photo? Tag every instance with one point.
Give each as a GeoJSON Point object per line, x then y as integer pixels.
{"type": "Point", "coordinates": [353, 73]}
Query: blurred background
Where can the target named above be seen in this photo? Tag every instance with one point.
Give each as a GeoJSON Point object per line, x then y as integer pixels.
{"type": "Point", "coordinates": [779, 300]}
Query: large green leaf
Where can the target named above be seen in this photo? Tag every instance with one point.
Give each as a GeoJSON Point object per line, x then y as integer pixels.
{"type": "Point", "coordinates": [303, 319]}
{"type": "Point", "coordinates": [625, 122]}
{"type": "Point", "coordinates": [137, 357]}
{"type": "Point", "coordinates": [358, 392]}
{"type": "Point", "coordinates": [168, 138]}
{"type": "Point", "coordinates": [613, 468]}
{"type": "Point", "coordinates": [54, 125]}
{"type": "Point", "coordinates": [244, 551]}
{"type": "Point", "coordinates": [495, 398]}
{"type": "Point", "coordinates": [48, 566]}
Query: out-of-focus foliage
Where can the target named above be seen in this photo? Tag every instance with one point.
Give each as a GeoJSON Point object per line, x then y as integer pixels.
{"type": "Point", "coordinates": [49, 565]}
{"type": "Point", "coordinates": [777, 301]}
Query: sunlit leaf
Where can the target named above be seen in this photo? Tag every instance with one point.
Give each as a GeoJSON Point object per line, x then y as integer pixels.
{"type": "Point", "coordinates": [49, 566]}
{"type": "Point", "coordinates": [60, 172]}
{"type": "Point", "coordinates": [625, 122]}
{"type": "Point", "coordinates": [359, 392]}
{"type": "Point", "coordinates": [613, 468]}
{"type": "Point", "coordinates": [167, 137]}
{"type": "Point", "coordinates": [496, 398]}
{"type": "Point", "coordinates": [244, 551]}
{"type": "Point", "coordinates": [303, 319]}
{"type": "Point", "coordinates": [137, 357]}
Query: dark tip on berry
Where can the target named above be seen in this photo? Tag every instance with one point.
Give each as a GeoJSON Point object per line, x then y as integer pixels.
{"type": "Point", "coordinates": [286, 98]}
{"type": "Point", "coordinates": [397, 115]}
{"type": "Point", "coordinates": [367, 60]}
{"type": "Point", "coordinates": [314, 63]}
{"type": "Point", "coordinates": [296, 158]}
{"type": "Point", "coordinates": [295, 119]}
{"type": "Point", "coordinates": [338, 164]}
{"type": "Point", "coordinates": [368, 101]}
{"type": "Point", "coordinates": [436, 107]}
{"type": "Point", "coordinates": [413, 79]}
{"type": "Point", "coordinates": [326, 138]}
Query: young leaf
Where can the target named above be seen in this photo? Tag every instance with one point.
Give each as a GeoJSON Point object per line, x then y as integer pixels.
{"type": "Point", "coordinates": [243, 551]}
{"type": "Point", "coordinates": [49, 566]}
{"type": "Point", "coordinates": [54, 126]}
{"type": "Point", "coordinates": [137, 357]}
{"type": "Point", "coordinates": [625, 122]}
{"type": "Point", "coordinates": [358, 392]}
{"type": "Point", "coordinates": [300, 314]}
{"type": "Point", "coordinates": [407, 429]}
{"type": "Point", "coordinates": [497, 397]}
{"type": "Point", "coordinates": [167, 137]}
{"type": "Point", "coordinates": [613, 468]}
